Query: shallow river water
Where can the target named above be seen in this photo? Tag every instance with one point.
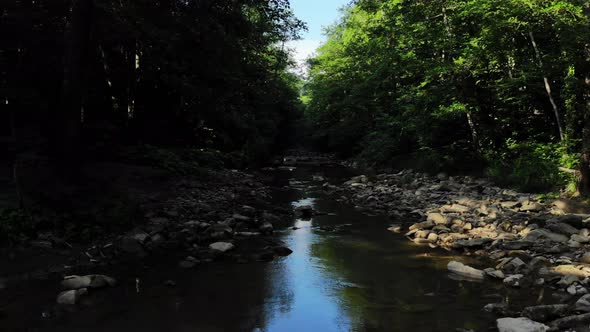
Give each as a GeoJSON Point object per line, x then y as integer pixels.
{"type": "Point", "coordinates": [346, 273]}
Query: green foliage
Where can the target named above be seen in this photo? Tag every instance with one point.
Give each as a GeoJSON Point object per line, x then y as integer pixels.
{"type": "Point", "coordinates": [424, 78]}
{"type": "Point", "coordinates": [531, 166]}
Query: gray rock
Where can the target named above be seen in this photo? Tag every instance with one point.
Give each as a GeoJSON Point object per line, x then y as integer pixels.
{"type": "Point", "coordinates": [497, 308]}
{"type": "Point", "coordinates": [498, 274]}
{"type": "Point", "coordinates": [580, 238]}
{"type": "Point", "coordinates": [514, 280]}
{"type": "Point", "coordinates": [544, 313]}
{"type": "Point", "coordinates": [562, 228]}
{"type": "Point", "coordinates": [537, 234]}
{"type": "Point", "coordinates": [571, 219]}
{"type": "Point", "coordinates": [517, 245]}
{"type": "Point", "coordinates": [520, 324]}
{"type": "Point", "coordinates": [71, 296]}
{"type": "Point", "coordinates": [583, 304]}
{"type": "Point", "coordinates": [471, 243]}
{"type": "Point", "coordinates": [221, 246]}
{"type": "Point", "coordinates": [242, 218]}
{"type": "Point", "coordinates": [569, 321]}
{"type": "Point", "coordinates": [266, 228]}
{"type": "Point", "coordinates": [88, 281]}
{"type": "Point", "coordinates": [465, 270]}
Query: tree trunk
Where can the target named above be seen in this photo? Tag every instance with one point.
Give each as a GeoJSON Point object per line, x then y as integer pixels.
{"type": "Point", "coordinates": [547, 85]}
{"type": "Point", "coordinates": [77, 38]}
{"type": "Point", "coordinates": [584, 185]}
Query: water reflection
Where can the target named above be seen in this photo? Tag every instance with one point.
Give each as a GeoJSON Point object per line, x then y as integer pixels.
{"type": "Point", "coordinates": [347, 273]}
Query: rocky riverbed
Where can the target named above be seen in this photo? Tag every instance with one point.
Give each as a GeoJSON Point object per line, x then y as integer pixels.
{"type": "Point", "coordinates": [524, 242]}
{"type": "Point", "coordinates": [226, 216]}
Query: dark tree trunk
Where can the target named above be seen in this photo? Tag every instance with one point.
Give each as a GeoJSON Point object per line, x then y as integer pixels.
{"type": "Point", "coordinates": [584, 185]}
{"type": "Point", "coordinates": [77, 39]}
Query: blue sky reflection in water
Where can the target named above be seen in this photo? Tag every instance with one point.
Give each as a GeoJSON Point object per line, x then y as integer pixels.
{"type": "Point", "coordinates": [312, 304]}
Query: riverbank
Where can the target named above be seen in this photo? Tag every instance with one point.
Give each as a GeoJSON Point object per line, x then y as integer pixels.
{"type": "Point", "coordinates": [184, 222]}
{"type": "Point", "coordinates": [527, 242]}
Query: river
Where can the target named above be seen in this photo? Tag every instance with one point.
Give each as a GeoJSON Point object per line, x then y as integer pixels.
{"type": "Point", "coordinates": [346, 273]}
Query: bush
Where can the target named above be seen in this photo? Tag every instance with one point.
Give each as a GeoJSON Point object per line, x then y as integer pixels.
{"type": "Point", "coordinates": [532, 166]}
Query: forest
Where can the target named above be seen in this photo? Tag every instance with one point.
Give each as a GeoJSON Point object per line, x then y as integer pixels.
{"type": "Point", "coordinates": [500, 84]}
{"type": "Point", "coordinates": [81, 78]}
{"type": "Point", "coordinates": [173, 165]}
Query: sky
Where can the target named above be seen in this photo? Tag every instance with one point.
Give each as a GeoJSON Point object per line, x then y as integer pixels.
{"type": "Point", "coordinates": [317, 14]}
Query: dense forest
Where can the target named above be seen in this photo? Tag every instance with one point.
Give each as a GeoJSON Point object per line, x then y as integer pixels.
{"type": "Point", "coordinates": [500, 84]}
{"type": "Point", "coordinates": [498, 88]}
{"type": "Point", "coordinates": [81, 78]}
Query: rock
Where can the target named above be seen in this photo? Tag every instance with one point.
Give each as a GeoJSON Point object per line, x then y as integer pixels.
{"type": "Point", "coordinates": [528, 206]}
{"type": "Point", "coordinates": [583, 304]}
{"type": "Point", "coordinates": [282, 251]}
{"type": "Point", "coordinates": [515, 265]}
{"type": "Point", "coordinates": [544, 313]}
{"type": "Point", "coordinates": [71, 296]}
{"type": "Point", "coordinates": [570, 219]}
{"type": "Point", "coordinates": [585, 258]}
{"type": "Point", "coordinates": [497, 308]}
{"type": "Point", "coordinates": [187, 264]}
{"type": "Point", "coordinates": [266, 228]}
{"type": "Point", "coordinates": [438, 219]}
{"type": "Point", "coordinates": [580, 238]}
{"type": "Point", "coordinates": [422, 225]}
{"type": "Point", "coordinates": [458, 208]}
{"type": "Point", "coordinates": [88, 281]}
{"type": "Point", "coordinates": [395, 228]}
{"type": "Point", "coordinates": [514, 280]}
{"type": "Point", "coordinates": [498, 274]}
{"type": "Point", "coordinates": [238, 217]}
{"type": "Point", "coordinates": [517, 245]}
{"type": "Point", "coordinates": [577, 290]}
{"type": "Point", "coordinates": [562, 228]}
{"type": "Point", "coordinates": [566, 281]}
{"type": "Point", "coordinates": [465, 270]}
{"type": "Point", "coordinates": [575, 270]}
{"type": "Point", "coordinates": [537, 234]}
{"type": "Point", "coordinates": [471, 243]}
{"type": "Point", "coordinates": [221, 246]}
{"type": "Point", "coordinates": [570, 321]}
{"type": "Point", "coordinates": [520, 324]}
{"type": "Point", "coordinates": [139, 235]}
{"type": "Point", "coordinates": [432, 237]}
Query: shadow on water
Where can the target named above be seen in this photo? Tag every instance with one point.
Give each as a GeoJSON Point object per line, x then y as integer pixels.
{"type": "Point", "coordinates": [346, 273]}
